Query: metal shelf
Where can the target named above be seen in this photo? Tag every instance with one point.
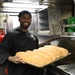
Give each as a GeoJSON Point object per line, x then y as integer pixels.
{"type": "Point", "coordinates": [44, 33]}
{"type": "Point", "coordinates": [67, 35]}
{"type": "Point", "coordinates": [71, 25]}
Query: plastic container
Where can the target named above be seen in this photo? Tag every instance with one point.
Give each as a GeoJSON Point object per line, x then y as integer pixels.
{"type": "Point", "coordinates": [71, 20]}
{"type": "Point", "coordinates": [70, 29]}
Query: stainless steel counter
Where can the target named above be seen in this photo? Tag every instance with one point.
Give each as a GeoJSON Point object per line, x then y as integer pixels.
{"type": "Point", "coordinates": [69, 68]}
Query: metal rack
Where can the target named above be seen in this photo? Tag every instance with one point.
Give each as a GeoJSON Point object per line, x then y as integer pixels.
{"type": "Point", "coordinates": [66, 33]}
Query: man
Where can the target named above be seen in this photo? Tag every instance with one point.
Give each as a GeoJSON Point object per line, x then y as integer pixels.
{"type": "Point", "coordinates": [19, 39]}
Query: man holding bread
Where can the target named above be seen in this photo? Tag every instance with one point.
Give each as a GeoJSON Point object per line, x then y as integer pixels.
{"type": "Point", "coordinates": [19, 39]}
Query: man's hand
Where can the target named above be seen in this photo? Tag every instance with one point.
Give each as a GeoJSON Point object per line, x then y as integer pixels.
{"type": "Point", "coordinates": [15, 59]}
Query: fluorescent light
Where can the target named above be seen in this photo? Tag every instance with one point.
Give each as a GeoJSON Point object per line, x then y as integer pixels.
{"type": "Point", "coordinates": [14, 5]}
{"type": "Point", "coordinates": [26, 1]}
{"type": "Point", "coordinates": [17, 9]}
{"type": "Point", "coordinates": [21, 1]}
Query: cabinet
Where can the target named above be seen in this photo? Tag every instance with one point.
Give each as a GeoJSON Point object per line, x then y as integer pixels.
{"type": "Point", "coordinates": [43, 23]}
{"type": "Point", "coordinates": [48, 22]}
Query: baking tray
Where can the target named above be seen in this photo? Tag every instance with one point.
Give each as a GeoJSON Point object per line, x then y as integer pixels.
{"type": "Point", "coordinates": [48, 63]}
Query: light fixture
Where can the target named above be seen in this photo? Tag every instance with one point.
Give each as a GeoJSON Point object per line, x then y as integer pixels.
{"type": "Point", "coordinates": [14, 6]}
{"type": "Point", "coordinates": [6, 4]}
{"type": "Point", "coordinates": [22, 1]}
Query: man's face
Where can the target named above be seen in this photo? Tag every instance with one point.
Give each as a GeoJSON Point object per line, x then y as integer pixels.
{"type": "Point", "coordinates": [25, 21]}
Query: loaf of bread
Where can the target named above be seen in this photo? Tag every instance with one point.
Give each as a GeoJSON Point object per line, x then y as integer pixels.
{"type": "Point", "coordinates": [58, 50]}
{"type": "Point", "coordinates": [43, 56]}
